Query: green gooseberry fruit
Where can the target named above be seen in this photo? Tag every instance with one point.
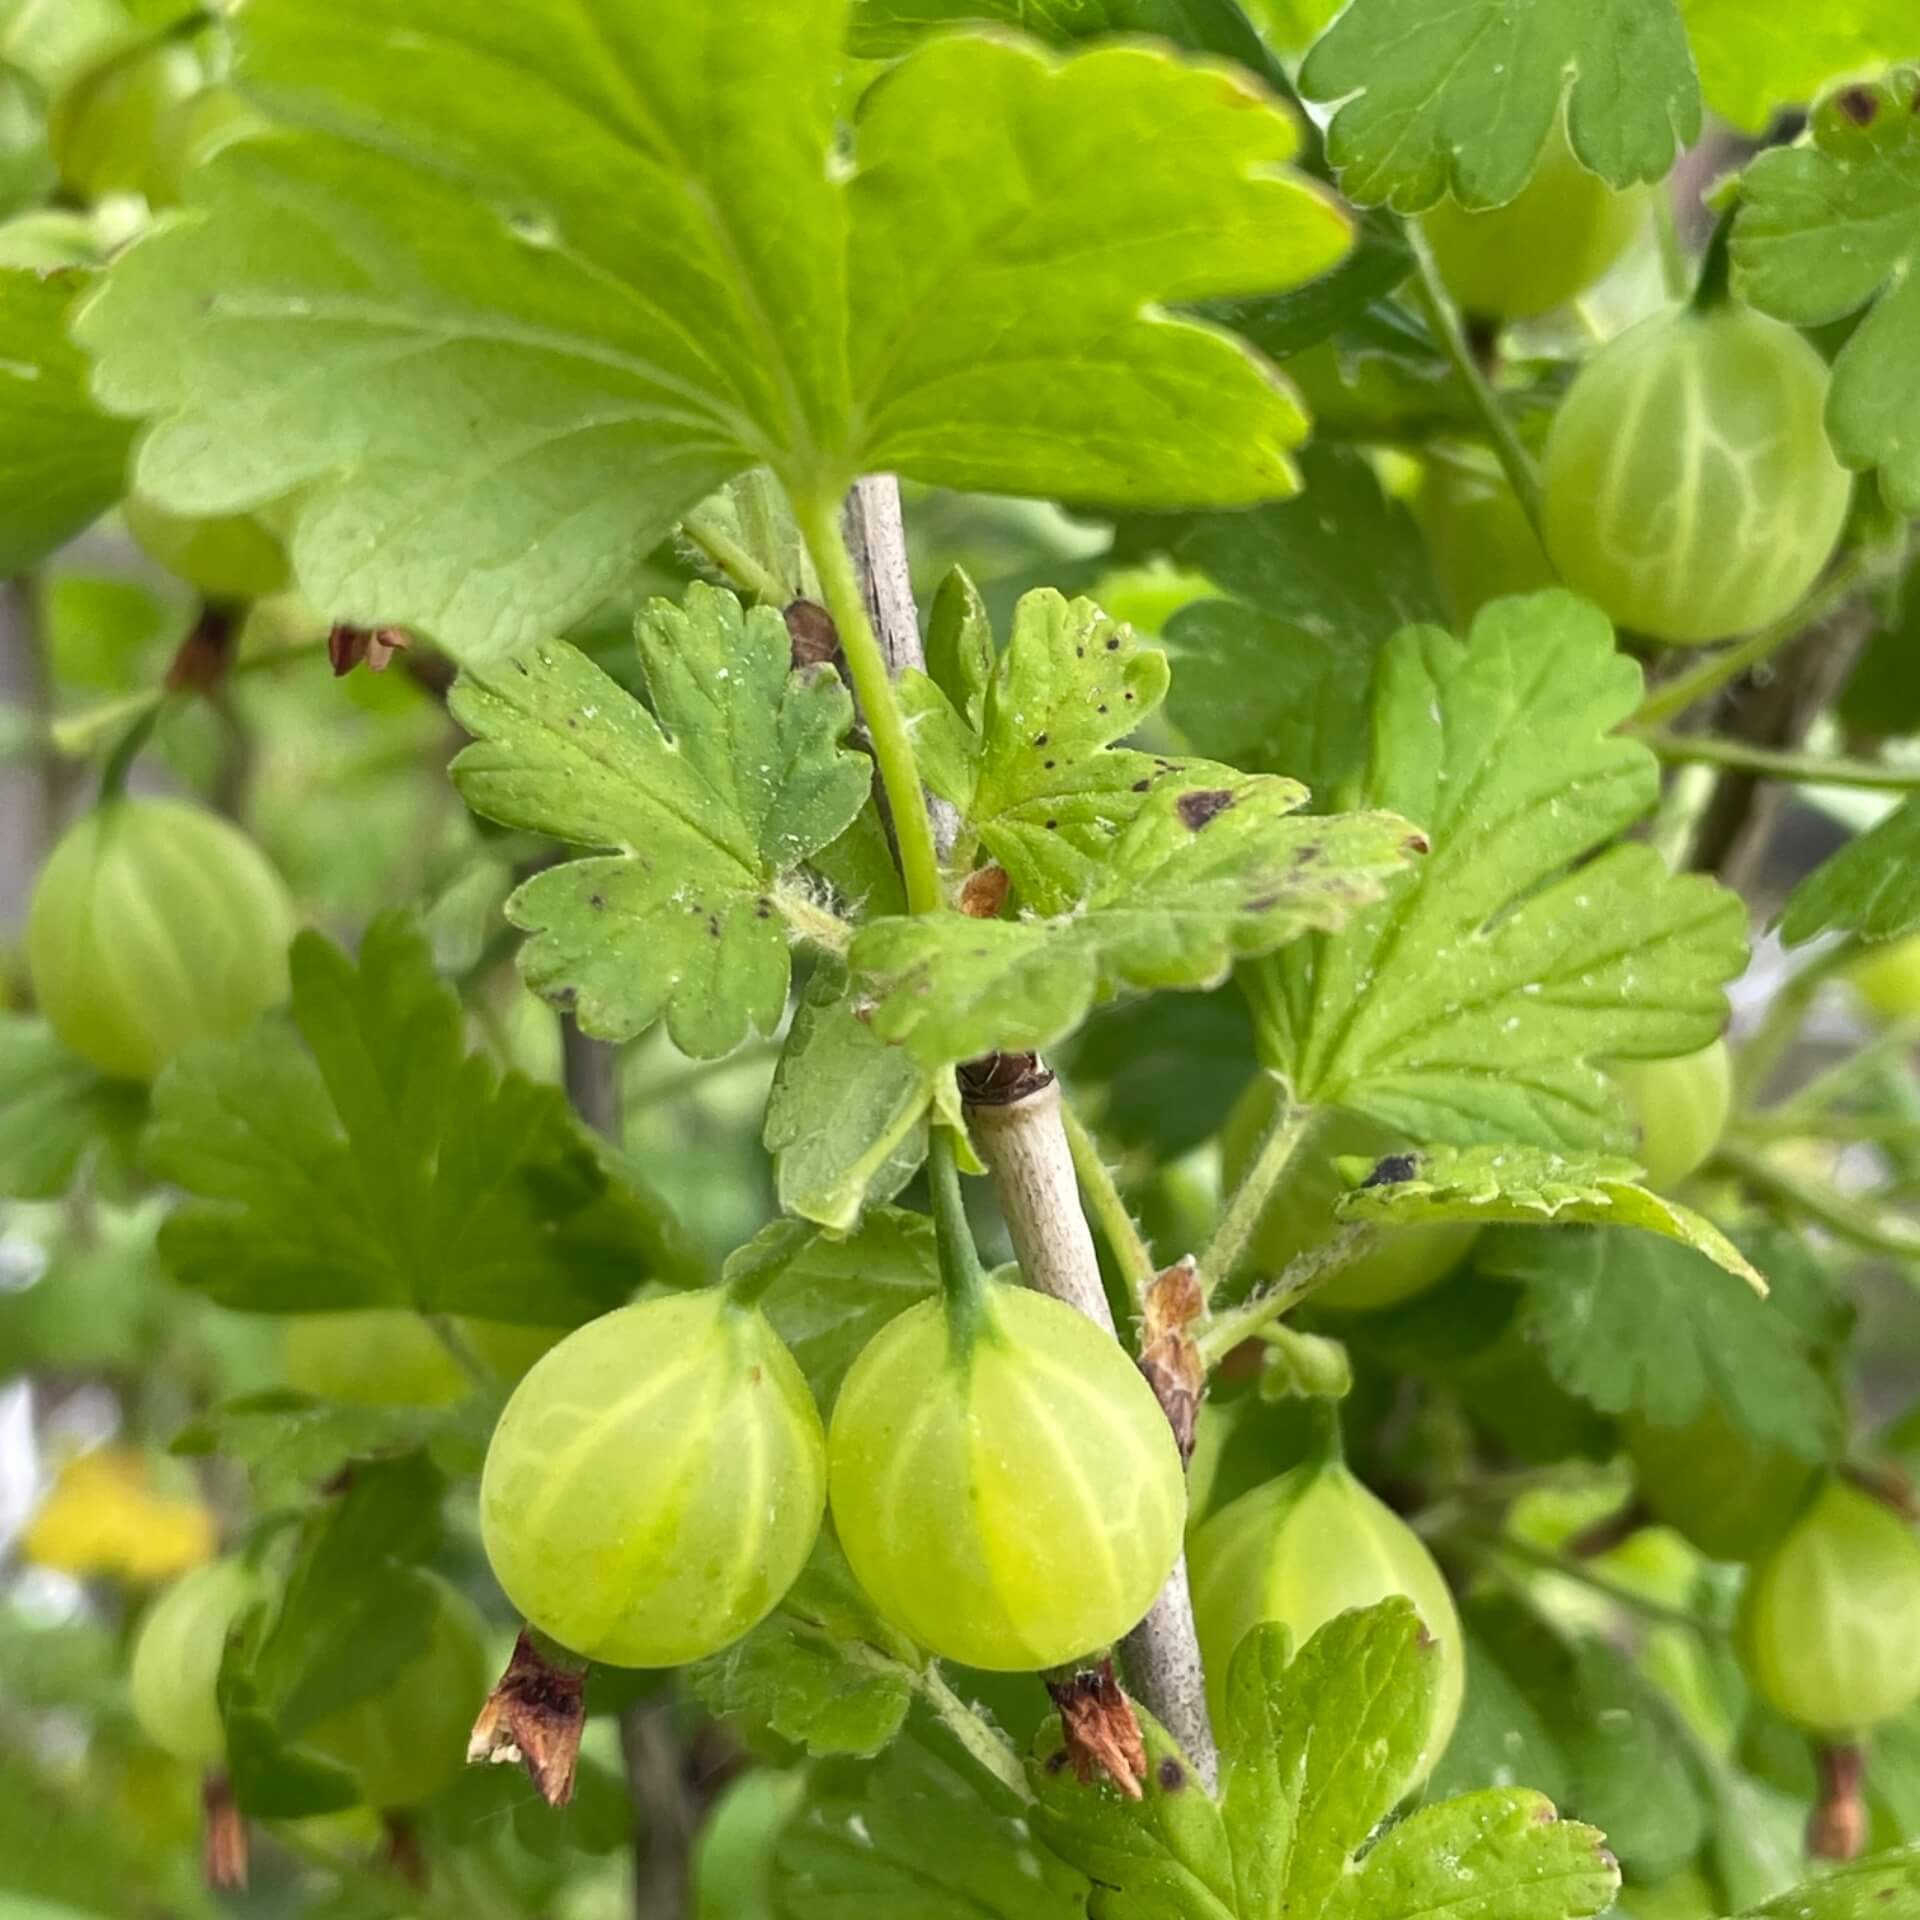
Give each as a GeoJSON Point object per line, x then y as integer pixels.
{"type": "Point", "coordinates": [389, 1357]}
{"type": "Point", "coordinates": [1680, 1109]}
{"type": "Point", "coordinates": [155, 923]}
{"type": "Point", "coordinates": [1689, 486]}
{"type": "Point", "coordinates": [1010, 1496]}
{"type": "Point", "coordinates": [175, 1671]}
{"type": "Point", "coordinates": [1829, 1628]}
{"type": "Point", "coordinates": [656, 1482]}
{"type": "Point", "coordinates": [1729, 1496]}
{"type": "Point", "coordinates": [229, 557]}
{"type": "Point", "coordinates": [1308, 1546]}
{"type": "Point", "coordinates": [1478, 536]}
{"type": "Point", "coordinates": [1553, 240]}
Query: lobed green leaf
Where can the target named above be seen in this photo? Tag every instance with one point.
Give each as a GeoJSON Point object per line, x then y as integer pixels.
{"type": "Point", "coordinates": [1833, 227]}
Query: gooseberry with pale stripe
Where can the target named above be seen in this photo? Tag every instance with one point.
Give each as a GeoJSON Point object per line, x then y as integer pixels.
{"type": "Point", "coordinates": [1004, 1483]}
{"type": "Point", "coordinates": [1689, 485]}
{"type": "Point", "coordinates": [656, 1482]}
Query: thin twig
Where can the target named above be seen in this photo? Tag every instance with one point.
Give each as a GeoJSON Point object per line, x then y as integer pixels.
{"type": "Point", "coordinates": [1865, 1225]}
{"type": "Point", "coordinates": [1309, 1271]}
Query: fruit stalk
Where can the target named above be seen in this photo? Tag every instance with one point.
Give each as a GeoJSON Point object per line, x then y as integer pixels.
{"type": "Point", "coordinates": [1444, 324]}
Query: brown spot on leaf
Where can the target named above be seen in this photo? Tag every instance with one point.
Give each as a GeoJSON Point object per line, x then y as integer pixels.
{"type": "Point", "coordinates": [1101, 1730]}
{"type": "Point", "coordinates": [1172, 1775]}
{"type": "Point", "coordinates": [1113, 643]}
{"type": "Point", "coordinates": [1142, 786]}
{"type": "Point", "coordinates": [534, 1718]}
{"type": "Point", "coordinates": [597, 901]}
{"type": "Point", "coordinates": [1040, 740]}
{"type": "Point", "coordinates": [1203, 804]}
{"type": "Point", "coordinates": [1861, 105]}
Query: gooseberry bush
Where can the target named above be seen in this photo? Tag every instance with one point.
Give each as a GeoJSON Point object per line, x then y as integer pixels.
{"type": "Point", "coordinates": [962, 959]}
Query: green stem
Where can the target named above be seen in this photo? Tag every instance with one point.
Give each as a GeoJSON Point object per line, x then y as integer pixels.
{"type": "Point", "coordinates": [1229, 1243]}
{"type": "Point", "coordinates": [1864, 1225]}
{"type": "Point", "coordinates": [1504, 1545]}
{"type": "Point", "coordinates": [127, 749]}
{"type": "Point", "coordinates": [1313, 1269]}
{"type": "Point", "coordinates": [1808, 1105]}
{"type": "Point", "coordinates": [1755, 1062]}
{"type": "Point", "coordinates": [1676, 695]}
{"type": "Point", "coordinates": [1772, 764]}
{"type": "Point", "coordinates": [1666, 234]}
{"type": "Point", "coordinates": [819, 518]}
{"type": "Point", "coordinates": [1444, 324]}
{"type": "Point", "coordinates": [1710, 284]}
{"type": "Point", "coordinates": [987, 1746]}
{"type": "Point", "coordinates": [1102, 1193]}
{"type": "Point", "coordinates": [733, 559]}
{"type": "Point", "coordinates": [812, 921]}
{"type": "Point", "coordinates": [459, 1349]}
{"type": "Point", "coordinates": [962, 1279]}
{"type": "Point", "coordinates": [78, 734]}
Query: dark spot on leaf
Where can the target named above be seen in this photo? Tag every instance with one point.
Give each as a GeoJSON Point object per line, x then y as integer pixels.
{"type": "Point", "coordinates": [520, 666]}
{"type": "Point", "coordinates": [1265, 904]}
{"type": "Point", "coordinates": [1307, 855]}
{"type": "Point", "coordinates": [1129, 696]}
{"type": "Point", "coordinates": [753, 1376]}
{"type": "Point", "coordinates": [1203, 804]}
{"type": "Point", "coordinates": [1079, 653]}
{"type": "Point", "coordinates": [764, 910]}
{"type": "Point", "coordinates": [1171, 1774]}
{"type": "Point", "coordinates": [1393, 1170]}
{"type": "Point", "coordinates": [1049, 765]}
{"type": "Point", "coordinates": [1419, 843]}
{"type": "Point", "coordinates": [573, 723]}
{"type": "Point", "coordinates": [563, 998]}
{"type": "Point", "coordinates": [1053, 826]}
{"type": "Point", "coordinates": [1859, 104]}
{"type": "Point", "coordinates": [713, 925]}
{"type": "Point", "coordinates": [1057, 1762]}
{"type": "Point", "coordinates": [1103, 706]}
{"type": "Point", "coordinates": [1141, 786]}
{"type": "Point", "coordinates": [597, 901]}
{"type": "Point", "coordinates": [1113, 643]}
{"type": "Point", "coordinates": [1040, 740]}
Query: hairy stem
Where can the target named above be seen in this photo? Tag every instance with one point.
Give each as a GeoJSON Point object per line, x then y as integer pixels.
{"type": "Point", "coordinates": [1854, 573]}
{"type": "Point", "coordinates": [1444, 324]}
{"type": "Point", "coordinates": [1312, 1269]}
{"type": "Point", "coordinates": [867, 668]}
{"type": "Point", "coordinates": [1102, 1193]}
{"type": "Point", "coordinates": [1865, 1225]}
{"type": "Point", "coordinates": [1772, 764]}
{"type": "Point", "coordinates": [726, 553]}
{"type": "Point", "coordinates": [1228, 1246]}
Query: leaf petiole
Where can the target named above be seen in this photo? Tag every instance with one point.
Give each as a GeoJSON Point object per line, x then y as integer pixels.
{"type": "Point", "coordinates": [733, 559]}
{"type": "Point", "coordinates": [818, 516]}
{"type": "Point", "coordinates": [963, 1280]}
{"type": "Point", "coordinates": [1228, 1246]}
{"type": "Point", "coordinates": [1770, 764]}
{"type": "Point", "coordinates": [1311, 1270]}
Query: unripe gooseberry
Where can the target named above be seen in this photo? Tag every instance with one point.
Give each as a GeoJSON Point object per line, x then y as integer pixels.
{"type": "Point", "coordinates": [388, 1357]}
{"type": "Point", "coordinates": [1730, 1496]}
{"type": "Point", "coordinates": [154, 924]}
{"type": "Point", "coordinates": [1478, 536]}
{"type": "Point", "coordinates": [1300, 1550]}
{"type": "Point", "coordinates": [119, 127]}
{"type": "Point", "coordinates": [656, 1482]}
{"type": "Point", "coordinates": [1554, 239]}
{"type": "Point", "coordinates": [409, 1740]}
{"type": "Point", "coordinates": [1680, 1109]}
{"type": "Point", "coordinates": [1299, 1216]}
{"type": "Point", "coordinates": [228, 557]}
{"type": "Point", "coordinates": [175, 1670]}
{"type": "Point", "coordinates": [1689, 485]}
{"type": "Point", "coordinates": [1013, 1500]}
{"type": "Point", "coordinates": [1887, 977]}
{"type": "Point", "coordinates": [1829, 1628]}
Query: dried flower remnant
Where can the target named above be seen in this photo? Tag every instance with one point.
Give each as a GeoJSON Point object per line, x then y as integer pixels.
{"type": "Point", "coordinates": [1169, 1355]}
{"type": "Point", "coordinates": [348, 646]}
{"type": "Point", "coordinates": [533, 1719]}
{"type": "Point", "coordinates": [1101, 1729]}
